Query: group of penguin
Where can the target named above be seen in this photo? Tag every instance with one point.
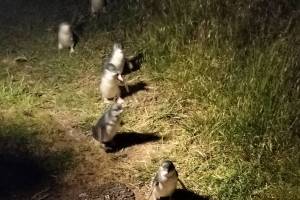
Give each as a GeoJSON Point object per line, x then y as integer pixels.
{"type": "Point", "coordinates": [165, 181]}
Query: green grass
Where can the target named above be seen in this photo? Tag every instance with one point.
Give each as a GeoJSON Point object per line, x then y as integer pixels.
{"type": "Point", "coordinates": [243, 71]}
{"type": "Point", "coordinates": [227, 70]}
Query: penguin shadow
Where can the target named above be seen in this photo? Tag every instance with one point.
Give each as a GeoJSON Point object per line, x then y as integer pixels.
{"type": "Point", "coordinates": [76, 39]}
{"type": "Point", "coordinates": [133, 64]}
{"type": "Point", "coordinates": [183, 194]}
{"type": "Point", "coordinates": [128, 139]}
{"type": "Point", "coordinates": [133, 88]}
{"type": "Point", "coordinates": [79, 29]}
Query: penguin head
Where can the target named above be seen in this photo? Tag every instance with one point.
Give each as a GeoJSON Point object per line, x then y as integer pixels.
{"type": "Point", "coordinates": [117, 54]}
{"type": "Point", "coordinates": [65, 27]}
{"type": "Point", "coordinates": [116, 109]}
{"type": "Point", "coordinates": [167, 168]}
{"type": "Point", "coordinates": [117, 46]}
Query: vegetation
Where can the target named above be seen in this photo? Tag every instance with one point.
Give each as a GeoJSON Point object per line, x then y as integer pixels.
{"type": "Point", "coordinates": [227, 74]}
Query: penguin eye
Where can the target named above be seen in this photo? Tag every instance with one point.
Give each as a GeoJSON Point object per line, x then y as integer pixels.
{"type": "Point", "coordinates": [117, 109]}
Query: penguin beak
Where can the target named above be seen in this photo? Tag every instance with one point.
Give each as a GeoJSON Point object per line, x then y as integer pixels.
{"type": "Point", "coordinates": [120, 78]}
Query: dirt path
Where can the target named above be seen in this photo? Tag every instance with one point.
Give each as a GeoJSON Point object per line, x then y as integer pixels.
{"type": "Point", "coordinates": [142, 137]}
{"type": "Point", "coordinates": [94, 167]}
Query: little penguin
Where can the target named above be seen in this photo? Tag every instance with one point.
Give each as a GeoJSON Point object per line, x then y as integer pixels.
{"type": "Point", "coordinates": [107, 126]}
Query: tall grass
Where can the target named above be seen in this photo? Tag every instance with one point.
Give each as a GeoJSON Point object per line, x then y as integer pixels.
{"type": "Point", "coordinates": [240, 61]}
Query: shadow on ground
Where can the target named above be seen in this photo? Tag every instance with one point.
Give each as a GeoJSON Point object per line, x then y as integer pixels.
{"type": "Point", "coordinates": [181, 194]}
{"type": "Point", "coordinates": [27, 166]}
{"type": "Point", "coordinates": [134, 88]}
{"type": "Point", "coordinates": [128, 139]}
{"type": "Point", "coordinates": [22, 177]}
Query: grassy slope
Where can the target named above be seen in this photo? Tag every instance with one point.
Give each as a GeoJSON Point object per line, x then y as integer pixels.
{"type": "Point", "coordinates": [234, 68]}
{"type": "Point", "coordinates": [228, 77]}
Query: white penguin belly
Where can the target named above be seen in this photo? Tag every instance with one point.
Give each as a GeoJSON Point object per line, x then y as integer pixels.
{"type": "Point", "coordinates": [166, 189]}
{"type": "Point", "coordinates": [109, 88]}
{"type": "Point", "coordinates": [65, 40]}
{"type": "Point", "coordinates": [111, 131]}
